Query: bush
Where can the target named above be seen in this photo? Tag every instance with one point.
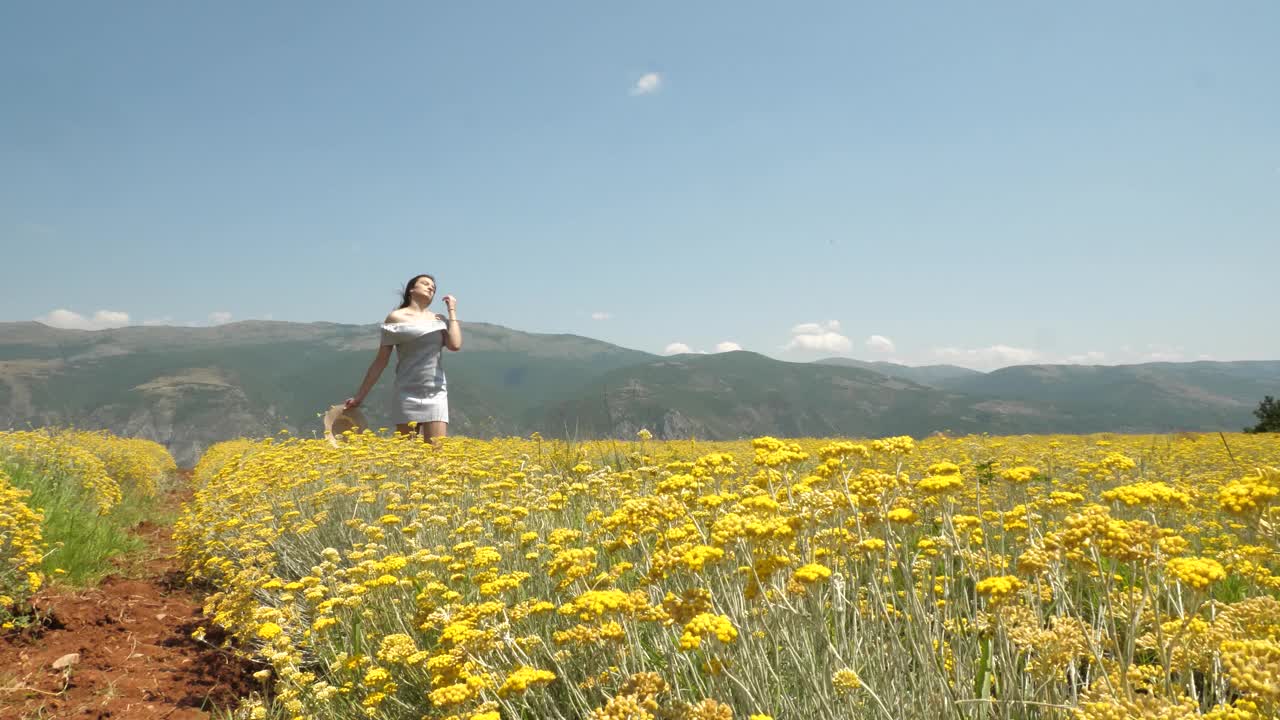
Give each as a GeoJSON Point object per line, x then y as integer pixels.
{"type": "Point", "coordinates": [1268, 414]}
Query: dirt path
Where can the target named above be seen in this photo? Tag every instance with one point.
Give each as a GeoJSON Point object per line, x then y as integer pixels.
{"type": "Point", "coordinates": [132, 635]}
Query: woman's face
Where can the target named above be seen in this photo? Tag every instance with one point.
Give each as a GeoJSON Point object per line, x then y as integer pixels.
{"type": "Point", "coordinates": [425, 288]}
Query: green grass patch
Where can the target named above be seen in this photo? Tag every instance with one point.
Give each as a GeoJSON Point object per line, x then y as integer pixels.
{"type": "Point", "coordinates": [81, 543]}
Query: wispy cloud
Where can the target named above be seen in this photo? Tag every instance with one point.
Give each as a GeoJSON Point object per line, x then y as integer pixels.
{"type": "Point", "coordinates": [219, 317]}
{"type": "Point", "coordinates": [988, 358]}
{"type": "Point", "coordinates": [818, 336]}
{"type": "Point", "coordinates": [679, 348]}
{"type": "Point", "coordinates": [880, 344]}
{"type": "Point", "coordinates": [600, 315]}
{"type": "Point", "coordinates": [166, 320]}
{"type": "Point", "coordinates": [648, 84]}
{"type": "Point", "coordinates": [1091, 357]}
{"type": "Point", "coordinates": [998, 356]}
{"type": "Point", "coordinates": [69, 320]}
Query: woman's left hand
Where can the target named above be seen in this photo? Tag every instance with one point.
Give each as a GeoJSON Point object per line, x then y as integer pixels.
{"type": "Point", "coordinates": [451, 302]}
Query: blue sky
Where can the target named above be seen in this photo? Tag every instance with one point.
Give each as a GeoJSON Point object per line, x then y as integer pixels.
{"type": "Point", "coordinates": [981, 183]}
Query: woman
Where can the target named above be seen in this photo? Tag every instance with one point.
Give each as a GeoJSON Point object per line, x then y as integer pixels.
{"type": "Point", "coordinates": [419, 335]}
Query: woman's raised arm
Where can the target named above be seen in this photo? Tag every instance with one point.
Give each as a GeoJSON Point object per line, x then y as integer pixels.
{"type": "Point", "coordinates": [452, 331]}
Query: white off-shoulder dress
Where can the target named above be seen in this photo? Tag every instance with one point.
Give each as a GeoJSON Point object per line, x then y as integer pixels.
{"type": "Point", "coordinates": [420, 390]}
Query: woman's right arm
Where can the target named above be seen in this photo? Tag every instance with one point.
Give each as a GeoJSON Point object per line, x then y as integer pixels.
{"type": "Point", "coordinates": [371, 375]}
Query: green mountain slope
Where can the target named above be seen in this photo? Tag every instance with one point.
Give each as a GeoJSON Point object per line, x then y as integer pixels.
{"type": "Point", "coordinates": [738, 394]}
{"type": "Point", "coordinates": [1137, 398]}
{"type": "Point", "coordinates": [932, 375]}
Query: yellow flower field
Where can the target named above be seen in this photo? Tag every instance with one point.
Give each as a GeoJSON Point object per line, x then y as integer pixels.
{"type": "Point", "coordinates": [973, 577]}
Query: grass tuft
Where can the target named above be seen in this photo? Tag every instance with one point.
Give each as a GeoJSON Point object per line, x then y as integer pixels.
{"type": "Point", "coordinates": [82, 542]}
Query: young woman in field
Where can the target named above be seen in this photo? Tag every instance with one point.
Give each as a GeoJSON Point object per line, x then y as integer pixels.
{"type": "Point", "coordinates": [420, 337]}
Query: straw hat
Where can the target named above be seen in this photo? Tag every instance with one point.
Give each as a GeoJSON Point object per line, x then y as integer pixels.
{"type": "Point", "coordinates": [338, 419]}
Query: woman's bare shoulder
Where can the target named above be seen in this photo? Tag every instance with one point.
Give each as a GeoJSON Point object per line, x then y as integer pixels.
{"type": "Point", "coordinates": [405, 315]}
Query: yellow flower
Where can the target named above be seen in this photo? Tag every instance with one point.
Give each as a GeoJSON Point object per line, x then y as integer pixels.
{"type": "Point", "coordinates": [375, 677]}
{"type": "Point", "coordinates": [1148, 493]}
{"type": "Point", "coordinates": [846, 679]}
{"type": "Point", "coordinates": [999, 589]}
{"type": "Point", "coordinates": [902, 516]}
{"type": "Point", "coordinates": [1198, 572]}
{"type": "Point", "coordinates": [699, 556]}
{"type": "Point", "coordinates": [943, 478]}
{"type": "Point", "coordinates": [1251, 493]}
{"type": "Point", "coordinates": [396, 648]}
{"type": "Point", "coordinates": [812, 572]}
{"type": "Point", "coordinates": [1254, 665]}
{"type": "Point", "coordinates": [1020, 475]}
{"type": "Point", "coordinates": [706, 624]}
{"type": "Point", "coordinates": [522, 678]}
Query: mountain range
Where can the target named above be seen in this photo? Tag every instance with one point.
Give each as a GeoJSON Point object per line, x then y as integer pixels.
{"type": "Point", "coordinates": [189, 387]}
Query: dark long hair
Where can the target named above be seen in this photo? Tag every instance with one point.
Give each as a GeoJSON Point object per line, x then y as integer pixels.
{"type": "Point", "coordinates": [408, 287]}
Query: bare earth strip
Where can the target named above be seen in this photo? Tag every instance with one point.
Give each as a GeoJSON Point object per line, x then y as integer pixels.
{"type": "Point", "coordinates": [132, 636]}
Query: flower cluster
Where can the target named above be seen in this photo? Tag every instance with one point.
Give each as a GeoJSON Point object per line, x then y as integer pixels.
{"type": "Point", "coordinates": [21, 545]}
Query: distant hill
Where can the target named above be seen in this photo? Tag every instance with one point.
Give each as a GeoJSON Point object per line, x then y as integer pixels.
{"type": "Point", "coordinates": [932, 375]}
{"type": "Point", "coordinates": [1134, 398]}
{"type": "Point", "coordinates": [743, 394]}
{"type": "Point", "coordinates": [190, 387]}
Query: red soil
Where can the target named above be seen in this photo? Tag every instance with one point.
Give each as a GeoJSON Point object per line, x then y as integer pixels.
{"type": "Point", "coordinates": [137, 657]}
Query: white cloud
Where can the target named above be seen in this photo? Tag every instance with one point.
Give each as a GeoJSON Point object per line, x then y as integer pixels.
{"type": "Point", "coordinates": [998, 356]}
{"type": "Point", "coordinates": [727, 346]}
{"type": "Point", "coordinates": [166, 320]}
{"type": "Point", "coordinates": [676, 348]}
{"type": "Point", "coordinates": [880, 343]}
{"type": "Point", "coordinates": [111, 318]}
{"type": "Point", "coordinates": [815, 328]}
{"type": "Point", "coordinates": [1092, 357]}
{"type": "Point", "coordinates": [219, 317]}
{"type": "Point", "coordinates": [68, 320]}
{"type": "Point", "coordinates": [600, 316]}
{"type": "Point", "coordinates": [815, 336]}
{"type": "Point", "coordinates": [988, 358]}
{"type": "Point", "coordinates": [648, 84]}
